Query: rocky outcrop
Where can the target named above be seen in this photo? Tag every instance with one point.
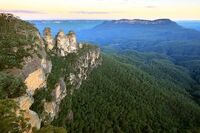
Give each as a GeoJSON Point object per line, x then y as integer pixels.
{"type": "Point", "coordinates": [35, 80]}
{"type": "Point", "coordinates": [8, 16]}
{"type": "Point", "coordinates": [63, 44]}
{"type": "Point", "coordinates": [84, 65]}
{"type": "Point", "coordinates": [33, 118]}
{"type": "Point", "coordinates": [35, 67]}
{"type": "Point", "coordinates": [34, 73]}
{"type": "Point", "coordinates": [58, 94]}
{"type": "Point", "coordinates": [48, 38]}
{"type": "Point", "coordinates": [71, 41]}
{"type": "Point", "coordinates": [72, 80]}
{"type": "Point", "coordinates": [24, 103]}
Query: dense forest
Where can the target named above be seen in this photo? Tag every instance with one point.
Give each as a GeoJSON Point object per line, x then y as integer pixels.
{"type": "Point", "coordinates": [146, 94]}
{"type": "Point", "coordinates": [142, 86]}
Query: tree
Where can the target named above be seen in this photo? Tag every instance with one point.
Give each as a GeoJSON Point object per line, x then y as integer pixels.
{"type": "Point", "coordinates": [10, 86]}
{"type": "Point", "coordinates": [9, 120]}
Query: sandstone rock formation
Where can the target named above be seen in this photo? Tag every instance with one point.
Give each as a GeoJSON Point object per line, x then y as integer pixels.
{"type": "Point", "coordinates": [71, 40]}
{"type": "Point", "coordinates": [36, 65]}
{"type": "Point", "coordinates": [81, 67]}
{"type": "Point", "coordinates": [65, 44]}
{"type": "Point", "coordinates": [62, 43]}
{"type": "Point", "coordinates": [34, 72]}
{"type": "Point", "coordinates": [48, 38]}
{"type": "Point", "coordinates": [58, 94]}
{"type": "Point", "coordinates": [33, 66]}
{"type": "Point", "coordinates": [25, 103]}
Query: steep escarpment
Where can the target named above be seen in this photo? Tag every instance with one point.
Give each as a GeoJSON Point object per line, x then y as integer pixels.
{"type": "Point", "coordinates": [71, 63]}
{"type": "Point", "coordinates": [66, 76]}
{"type": "Point", "coordinates": [135, 92]}
{"type": "Point", "coordinates": [23, 56]}
{"type": "Point", "coordinates": [31, 64]}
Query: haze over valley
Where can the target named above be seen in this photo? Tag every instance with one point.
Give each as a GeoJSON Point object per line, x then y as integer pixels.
{"type": "Point", "coordinates": [118, 66]}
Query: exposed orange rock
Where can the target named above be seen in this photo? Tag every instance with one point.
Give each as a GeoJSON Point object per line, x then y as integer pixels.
{"type": "Point", "coordinates": [35, 80]}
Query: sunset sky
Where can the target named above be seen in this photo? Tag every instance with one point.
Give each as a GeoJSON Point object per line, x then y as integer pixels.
{"type": "Point", "coordinates": [103, 9]}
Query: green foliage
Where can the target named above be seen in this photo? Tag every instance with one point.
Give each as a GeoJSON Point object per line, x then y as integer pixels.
{"type": "Point", "coordinates": [122, 97]}
{"type": "Point", "coordinates": [40, 95]}
{"type": "Point", "coordinates": [10, 122]}
{"type": "Point", "coordinates": [64, 65]}
{"type": "Point", "coordinates": [50, 129]}
{"type": "Point", "coordinates": [65, 107]}
{"type": "Point", "coordinates": [130, 92]}
{"type": "Point", "coordinates": [61, 68]}
{"type": "Point", "coordinates": [194, 68]}
{"type": "Point", "coordinates": [15, 35]}
{"type": "Point", "coordinates": [10, 86]}
{"type": "Point", "coordinates": [162, 68]}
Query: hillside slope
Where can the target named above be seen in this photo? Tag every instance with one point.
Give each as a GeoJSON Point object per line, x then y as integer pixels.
{"type": "Point", "coordinates": [50, 84]}
{"type": "Point", "coordinates": [135, 97]}
{"type": "Point", "coordinates": [38, 73]}
{"type": "Point", "coordinates": [162, 36]}
{"type": "Point", "coordinates": [111, 32]}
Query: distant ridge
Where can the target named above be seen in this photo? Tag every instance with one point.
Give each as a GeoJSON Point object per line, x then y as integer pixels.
{"type": "Point", "coordinates": [140, 34]}
{"type": "Point", "coordinates": [143, 21]}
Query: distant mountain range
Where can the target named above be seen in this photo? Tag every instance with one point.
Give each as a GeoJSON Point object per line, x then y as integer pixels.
{"type": "Point", "coordinates": [123, 30]}
{"type": "Point", "coordinates": [191, 24]}
{"type": "Point", "coordinates": [163, 36]}
{"type": "Point", "coordinates": [142, 21]}
{"type": "Point", "coordinates": [65, 25]}
{"type": "Point", "coordinates": [147, 79]}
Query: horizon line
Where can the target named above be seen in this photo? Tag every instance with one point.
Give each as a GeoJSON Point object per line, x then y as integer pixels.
{"type": "Point", "coordinates": [65, 19]}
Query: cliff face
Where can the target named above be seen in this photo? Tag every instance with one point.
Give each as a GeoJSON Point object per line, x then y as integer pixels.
{"type": "Point", "coordinates": [70, 81]}
{"type": "Point", "coordinates": [34, 74]}
{"type": "Point", "coordinates": [33, 67]}
{"type": "Point", "coordinates": [78, 60]}
{"type": "Point", "coordinates": [38, 62]}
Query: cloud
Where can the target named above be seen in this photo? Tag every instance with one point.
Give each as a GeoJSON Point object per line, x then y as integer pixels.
{"type": "Point", "coordinates": [22, 11]}
{"type": "Point", "coordinates": [92, 12]}
{"type": "Point", "coordinates": [151, 6]}
{"type": "Point", "coordinates": [89, 12]}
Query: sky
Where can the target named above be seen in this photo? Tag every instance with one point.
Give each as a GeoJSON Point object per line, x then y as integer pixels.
{"type": "Point", "coordinates": [102, 9]}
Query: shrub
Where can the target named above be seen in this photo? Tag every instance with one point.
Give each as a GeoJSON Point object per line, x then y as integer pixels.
{"type": "Point", "coordinates": [10, 86]}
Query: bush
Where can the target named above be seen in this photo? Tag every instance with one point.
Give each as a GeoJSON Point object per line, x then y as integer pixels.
{"type": "Point", "coordinates": [10, 86]}
{"type": "Point", "coordinates": [10, 122]}
{"type": "Point", "coordinates": [50, 129]}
